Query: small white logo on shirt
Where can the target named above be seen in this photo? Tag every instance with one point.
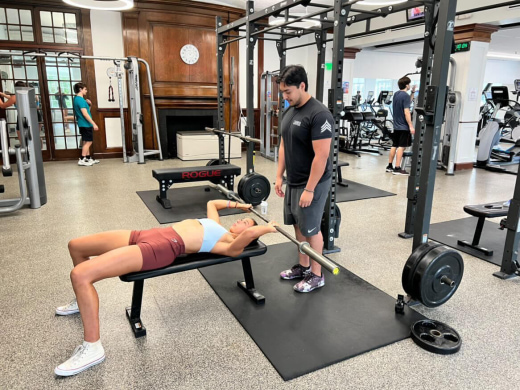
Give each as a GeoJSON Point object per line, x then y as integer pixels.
{"type": "Point", "coordinates": [174, 240]}
{"type": "Point", "coordinates": [310, 231]}
{"type": "Point", "coordinates": [326, 127]}
{"type": "Point", "coordinates": [297, 123]}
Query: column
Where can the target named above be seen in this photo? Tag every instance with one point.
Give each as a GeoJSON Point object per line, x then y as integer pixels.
{"type": "Point", "coordinates": [349, 55]}
{"type": "Point", "coordinates": [469, 80]}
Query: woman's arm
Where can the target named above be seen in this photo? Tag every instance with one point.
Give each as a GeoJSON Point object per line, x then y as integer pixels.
{"type": "Point", "coordinates": [214, 206]}
{"type": "Point", "coordinates": [247, 236]}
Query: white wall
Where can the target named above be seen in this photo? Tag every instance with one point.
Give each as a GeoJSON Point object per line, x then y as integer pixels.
{"type": "Point", "coordinates": [503, 72]}
{"type": "Point", "coordinates": [371, 64]}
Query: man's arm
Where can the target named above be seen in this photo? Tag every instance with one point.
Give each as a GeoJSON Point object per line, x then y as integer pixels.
{"type": "Point", "coordinates": [11, 99]}
{"type": "Point", "coordinates": [88, 118]}
{"type": "Point", "coordinates": [321, 154]}
{"type": "Point", "coordinates": [280, 170]}
{"type": "Point", "coordinates": [408, 117]}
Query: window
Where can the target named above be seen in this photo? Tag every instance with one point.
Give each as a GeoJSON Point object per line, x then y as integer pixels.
{"type": "Point", "coordinates": [59, 27]}
{"type": "Point", "coordinates": [16, 25]}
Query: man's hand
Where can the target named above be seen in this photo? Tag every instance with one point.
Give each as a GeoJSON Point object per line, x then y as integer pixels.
{"type": "Point", "coordinates": [412, 130]}
{"type": "Point", "coordinates": [306, 198]}
{"type": "Point", "coordinates": [278, 187]}
{"type": "Point", "coordinates": [88, 102]}
{"type": "Point", "coordinates": [96, 128]}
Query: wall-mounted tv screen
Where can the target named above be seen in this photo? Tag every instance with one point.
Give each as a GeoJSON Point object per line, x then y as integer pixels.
{"type": "Point", "coordinates": [415, 13]}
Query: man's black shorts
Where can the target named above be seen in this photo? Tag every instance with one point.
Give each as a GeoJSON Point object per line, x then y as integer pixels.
{"type": "Point", "coordinates": [401, 138]}
{"type": "Point", "coordinates": [87, 134]}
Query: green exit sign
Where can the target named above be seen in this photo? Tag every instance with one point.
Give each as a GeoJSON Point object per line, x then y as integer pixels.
{"type": "Point", "coordinates": [460, 47]}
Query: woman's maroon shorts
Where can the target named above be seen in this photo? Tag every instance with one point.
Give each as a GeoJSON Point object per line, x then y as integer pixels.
{"type": "Point", "coordinates": [159, 246]}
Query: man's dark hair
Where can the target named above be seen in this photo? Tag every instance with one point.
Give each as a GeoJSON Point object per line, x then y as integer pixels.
{"type": "Point", "coordinates": [293, 75]}
{"type": "Point", "coordinates": [403, 82]}
{"type": "Point", "coordinates": [20, 84]}
{"type": "Point", "coordinates": [78, 87]}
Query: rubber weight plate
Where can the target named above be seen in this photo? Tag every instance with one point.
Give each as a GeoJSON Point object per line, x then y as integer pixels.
{"type": "Point", "coordinates": [254, 188]}
{"type": "Point", "coordinates": [436, 337]}
{"type": "Point", "coordinates": [323, 228]}
{"type": "Point", "coordinates": [427, 280]}
{"type": "Point", "coordinates": [411, 264]}
{"type": "Point", "coordinates": [211, 163]}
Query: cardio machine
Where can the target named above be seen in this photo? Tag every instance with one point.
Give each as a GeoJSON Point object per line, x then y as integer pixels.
{"type": "Point", "coordinates": [489, 156]}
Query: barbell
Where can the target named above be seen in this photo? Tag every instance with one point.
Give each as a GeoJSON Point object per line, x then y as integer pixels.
{"type": "Point", "coordinates": [304, 247]}
{"type": "Point", "coordinates": [234, 134]}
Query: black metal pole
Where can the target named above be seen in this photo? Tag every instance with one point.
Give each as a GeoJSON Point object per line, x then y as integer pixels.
{"type": "Point", "coordinates": [432, 113]}
{"type": "Point", "coordinates": [250, 90]}
{"type": "Point", "coordinates": [320, 65]}
{"type": "Point", "coordinates": [420, 127]}
{"type": "Point", "coordinates": [221, 49]}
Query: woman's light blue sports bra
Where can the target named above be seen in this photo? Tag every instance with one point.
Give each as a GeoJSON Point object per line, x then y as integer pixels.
{"type": "Point", "coordinates": [212, 233]}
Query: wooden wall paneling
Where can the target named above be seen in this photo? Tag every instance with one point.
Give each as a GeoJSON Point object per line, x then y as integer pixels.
{"type": "Point", "coordinates": [167, 41]}
{"type": "Point", "coordinates": [205, 70]}
{"type": "Point", "coordinates": [131, 33]}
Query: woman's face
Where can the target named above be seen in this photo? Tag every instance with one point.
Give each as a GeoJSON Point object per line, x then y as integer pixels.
{"type": "Point", "coordinates": [241, 225]}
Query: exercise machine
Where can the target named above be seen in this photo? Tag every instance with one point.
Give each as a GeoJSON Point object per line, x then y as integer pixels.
{"type": "Point", "coordinates": [268, 113]}
{"type": "Point", "coordinates": [29, 160]}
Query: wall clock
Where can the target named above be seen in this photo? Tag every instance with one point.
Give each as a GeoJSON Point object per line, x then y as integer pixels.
{"type": "Point", "coordinates": [189, 54]}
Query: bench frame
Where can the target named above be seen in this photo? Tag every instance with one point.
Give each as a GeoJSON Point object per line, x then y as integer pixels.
{"type": "Point", "coordinates": [133, 312]}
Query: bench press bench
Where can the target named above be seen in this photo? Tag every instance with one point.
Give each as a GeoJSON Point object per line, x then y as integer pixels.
{"type": "Point", "coordinates": [218, 174]}
{"type": "Point", "coordinates": [483, 211]}
{"type": "Point", "coordinates": [186, 263]}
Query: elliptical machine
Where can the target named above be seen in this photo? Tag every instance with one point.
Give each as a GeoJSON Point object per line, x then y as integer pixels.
{"type": "Point", "coordinates": [490, 135]}
{"type": "Point", "coordinates": [29, 160]}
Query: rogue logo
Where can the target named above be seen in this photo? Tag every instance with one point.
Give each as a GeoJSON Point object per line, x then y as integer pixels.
{"type": "Point", "coordinates": [201, 174]}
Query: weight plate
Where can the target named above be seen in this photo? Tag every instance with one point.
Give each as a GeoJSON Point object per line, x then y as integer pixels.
{"type": "Point", "coordinates": [411, 265]}
{"type": "Point", "coordinates": [436, 337]}
{"type": "Point", "coordinates": [254, 188]}
{"type": "Point", "coordinates": [323, 228]}
{"type": "Point", "coordinates": [427, 280]}
{"type": "Point", "coordinates": [211, 163]}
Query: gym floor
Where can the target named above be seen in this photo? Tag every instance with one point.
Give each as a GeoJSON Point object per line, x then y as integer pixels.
{"type": "Point", "coordinates": [193, 341]}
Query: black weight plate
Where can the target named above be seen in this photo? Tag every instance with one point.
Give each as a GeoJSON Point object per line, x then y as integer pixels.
{"type": "Point", "coordinates": [323, 228]}
{"type": "Point", "coordinates": [440, 261]}
{"type": "Point", "coordinates": [254, 188]}
{"type": "Point", "coordinates": [436, 337]}
{"type": "Point", "coordinates": [411, 265]}
{"type": "Point", "coordinates": [211, 163]}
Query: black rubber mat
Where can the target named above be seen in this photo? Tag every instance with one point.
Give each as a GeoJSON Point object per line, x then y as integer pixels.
{"type": "Point", "coordinates": [300, 333]}
{"type": "Point", "coordinates": [492, 238]}
{"type": "Point", "coordinates": [356, 191]}
{"type": "Point", "coordinates": [187, 203]}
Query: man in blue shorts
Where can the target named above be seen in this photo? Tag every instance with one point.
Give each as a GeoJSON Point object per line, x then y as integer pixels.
{"type": "Point", "coordinates": [307, 127]}
{"type": "Point", "coordinates": [403, 126]}
{"type": "Point", "coordinates": [85, 123]}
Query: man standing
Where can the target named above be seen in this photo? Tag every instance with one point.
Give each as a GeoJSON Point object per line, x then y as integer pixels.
{"type": "Point", "coordinates": [307, 127]}
{"type": "Point", "coordinates": [403, 127]}
{"type": "Point", "coordinates": [85, 123]}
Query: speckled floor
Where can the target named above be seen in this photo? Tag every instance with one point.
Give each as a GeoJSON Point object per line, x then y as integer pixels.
{"type": "Point", "coordinates": [194, 342]}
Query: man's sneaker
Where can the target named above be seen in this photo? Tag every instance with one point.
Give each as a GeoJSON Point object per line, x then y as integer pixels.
{"type": "Point", "coordinates": [309, 283]}
{"type": "Point", "coordinates": [83, 357]}
{"type": "Point", "coordinates": [296, 272]}
{"type": "Point", "coordinates": [68, 309]}
{"type": "Point", "coordinates": [399, 171]}
{"type": "Point", "coordinates": [83, 162]}
{"type": "Point", "coordinates": [93, 161]}
{"type": "Point", "coordinates": [390, 168]}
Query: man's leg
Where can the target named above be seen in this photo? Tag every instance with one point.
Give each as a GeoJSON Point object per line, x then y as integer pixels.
{"type": "Point", "coordinates": [392, 155]}
{"type": "Point", "coordinates": [85, 149]}
{"type": "Point", "coordinates": [316, 243]}
{"type": "Point", "coordinates": [400, 152]}
{"type": "Point", "coordinates": [304, 259]}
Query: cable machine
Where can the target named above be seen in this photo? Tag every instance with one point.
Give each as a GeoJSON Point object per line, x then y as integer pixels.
{"type": "Point", "coordinates": [131, 64]}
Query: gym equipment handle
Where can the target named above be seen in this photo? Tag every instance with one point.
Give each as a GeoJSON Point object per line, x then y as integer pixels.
{"type": "Point", "coordinates": [234, 134]}
{"type": "Point", "coordinates": [303, 247]}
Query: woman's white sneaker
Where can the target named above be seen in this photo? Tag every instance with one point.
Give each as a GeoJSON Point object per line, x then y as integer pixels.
{"type": "Point", "coordinates": [83, 357]}
{"type": "Point", "coordinates": [68, 309]}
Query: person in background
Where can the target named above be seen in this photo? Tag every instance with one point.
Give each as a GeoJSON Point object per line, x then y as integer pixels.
{"type": "Point", "coordinates": [86, 124]}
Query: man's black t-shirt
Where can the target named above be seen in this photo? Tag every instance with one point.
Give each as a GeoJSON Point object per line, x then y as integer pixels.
{"type": "Point", "coordinates": [301, 126]}
{"type": "Point", "coordinates": [401, 101]}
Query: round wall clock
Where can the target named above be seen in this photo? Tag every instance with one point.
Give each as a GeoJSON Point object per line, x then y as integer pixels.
{"type": "Point", "coordinates": [189, 54]}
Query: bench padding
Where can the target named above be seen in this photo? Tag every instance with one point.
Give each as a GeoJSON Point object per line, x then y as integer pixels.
{"type": "Point", "coordinates": [487, 210]}
{"type": "Point", "coordinates": [194, 261]}
{"type": "Point", "coordinates": [166, 173]}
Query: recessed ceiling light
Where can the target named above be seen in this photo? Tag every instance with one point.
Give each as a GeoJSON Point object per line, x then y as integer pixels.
{"type": "Point", "coordinates": [107, 5]}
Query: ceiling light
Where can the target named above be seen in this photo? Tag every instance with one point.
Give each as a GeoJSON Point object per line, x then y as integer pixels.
{"type": "Point", "coordinates": [504, 56]}
{"type": "Point", "coordinates": [277, 21]}
{"type": "Point", "coordinates": [378, 3]}
{"type": "Point", "coordinates": [106, 5]}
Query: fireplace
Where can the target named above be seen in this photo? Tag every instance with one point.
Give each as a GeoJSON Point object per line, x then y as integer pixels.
{"type": "Point", "coordinates": [173, 120]}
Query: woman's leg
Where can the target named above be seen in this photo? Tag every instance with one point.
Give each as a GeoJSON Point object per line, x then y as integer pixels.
{"type": "Point", "coordinates": [83, 248]}
{"type": "Point", "coordinates": [114, 263]}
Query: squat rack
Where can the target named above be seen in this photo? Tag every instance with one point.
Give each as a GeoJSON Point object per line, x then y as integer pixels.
{"type": "Point", "coordinates": [131, 64]}
{"type": "Point", "coordinates": [341, 19]}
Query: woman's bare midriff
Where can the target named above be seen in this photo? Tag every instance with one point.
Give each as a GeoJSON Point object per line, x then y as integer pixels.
{"type": "Point", "coordinates": [192, 233]}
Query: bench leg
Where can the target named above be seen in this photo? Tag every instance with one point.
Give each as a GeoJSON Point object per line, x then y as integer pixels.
{"type": "Point", "coordinates": [134, 312]}
{"type": "Point", "coordinates": [476, 239]}
{"type": "Point", "coordinates": [162, 198]}
{"type": "Point", "coordinates": [339, 180]}
{"type": "Point", "coordinates": [249, 285]}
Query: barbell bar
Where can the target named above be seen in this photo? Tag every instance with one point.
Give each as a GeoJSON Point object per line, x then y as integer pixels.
{"type": "Point", "coordinates": [234, 134]}
{"type": "Point", "coordinates": [303, 247]}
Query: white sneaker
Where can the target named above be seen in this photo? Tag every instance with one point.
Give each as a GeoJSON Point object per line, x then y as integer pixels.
{"type": "Point", "coordinates": [93, 161]}
{"type": "Point", "coordinates": [83, 357]}
{"type": "Point", "coordinates": [70, 308]}
{"type": "Point", "coordinates": [84, 162]}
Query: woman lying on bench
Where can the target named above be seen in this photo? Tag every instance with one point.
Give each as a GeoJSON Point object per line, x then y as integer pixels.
{"type": "Point", "coordinates": [123, 251]}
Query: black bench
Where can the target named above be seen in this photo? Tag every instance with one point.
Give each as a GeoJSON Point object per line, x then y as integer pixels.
{"type": "Point", "coordinates": [339, 177]}
{"type": "Point", "coordinates": [186, 263]}
{"type": "Point", "coordinates": [217, 174]}
{"type": "Point", "coordinates": [483, 211]}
